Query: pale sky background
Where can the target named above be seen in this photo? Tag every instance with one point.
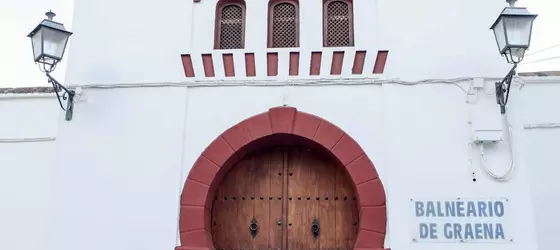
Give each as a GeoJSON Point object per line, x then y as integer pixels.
{"type": "Point", "coordinates": [19, 17]}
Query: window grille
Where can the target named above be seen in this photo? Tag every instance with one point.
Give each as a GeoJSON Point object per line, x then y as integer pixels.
{"type": "Point", "coordinates": [231, 27]}
{"type": "Point", "coordinates": [339, 25]}
{"type": "Point", "coordinates": [284, 25]}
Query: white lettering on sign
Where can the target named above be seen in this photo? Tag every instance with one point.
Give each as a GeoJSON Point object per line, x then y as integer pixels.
{"type": "Point", "coordinates": [461, 220]}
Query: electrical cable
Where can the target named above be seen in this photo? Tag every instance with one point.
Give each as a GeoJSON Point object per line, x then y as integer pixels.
{"type": "Point", "coordinates": [542, 60]}
{"type": "Point", "coordinates": [22, 140]}
{"type": "Point", "coordinates": [287, 82]}
{"type": "Point", "coordinates": [542, 50]}
{"type": "Point", "coordinates": [506, 176]}
{"type": "Point", "coordinates": [542, 125]}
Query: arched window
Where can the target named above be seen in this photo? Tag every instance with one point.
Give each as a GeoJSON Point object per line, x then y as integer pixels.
{"type": "Point", "coordinates": [283, 24]}
{"type": "Point", "coordinates": [230, 25]}
{"type": "Point", "coordinates": [338, 23]}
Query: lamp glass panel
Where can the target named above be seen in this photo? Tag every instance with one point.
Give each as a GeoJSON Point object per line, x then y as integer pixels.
{"type": "Point", "coordinates": [36, 42]}
{"type": "Point", "coordinates": [54, 42]}
{"type": "Point", "coordinates": [517, 54]}
{"type": "Point", "coordinates": [500, 34]}
{"type": "Point", "coordinates": [518, 30]}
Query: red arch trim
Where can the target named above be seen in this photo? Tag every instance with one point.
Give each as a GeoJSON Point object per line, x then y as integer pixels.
{"type": "Point", "coordinates": [211, 166]}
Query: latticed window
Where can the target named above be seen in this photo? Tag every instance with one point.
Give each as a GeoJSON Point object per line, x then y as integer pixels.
{"type": "Point", "coordinates": [284, 24]}
{"type": "Point", "coordinates": [338, 21]}
{"type": "Point", "coordinates": [231, 27]}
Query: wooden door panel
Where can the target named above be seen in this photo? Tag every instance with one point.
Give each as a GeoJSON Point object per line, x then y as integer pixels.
{"type": "Point", "coordinates": [243, 174]}
{"type": "Point", "coordinates": [227, 232]}
{"type": "Point", "coordinates": [346, 212]}
{"type": "Point", "coordinates": [277, 218]}
{"type": "Point", "coordinates": [327, 206]}
{"type": "Point", "coordinates": [296, 206]}
{"type": "Point", "coordinates": [285, 189]}
{"type": "Point", "coordinates": [302, 184]}
{"type": "Point", "coordinates": [317, 177]}
{"type": "Point", "coordinates": [261, 185]}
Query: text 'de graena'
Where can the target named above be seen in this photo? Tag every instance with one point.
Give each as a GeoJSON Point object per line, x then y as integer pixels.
{"type": "Point", "coordinates": [460, 220]}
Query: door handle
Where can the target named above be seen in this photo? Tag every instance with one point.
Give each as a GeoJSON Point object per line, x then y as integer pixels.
{"type": "Point", "coordinates": [315, 229]}
{"type": "Point", "coordinates": [254, 227]}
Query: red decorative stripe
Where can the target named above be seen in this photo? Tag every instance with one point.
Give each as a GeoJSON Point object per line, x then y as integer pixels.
{"type": "Point", "coordinates": [208, 65]}
{"type": "Point", "coordinates": [229, 68]}
{"type": "Point", "coordinates": [294, 63]}
{"type": "Point", "coordinates": [359, 60]}
{"type": "Point", "coordinates": [187, 65]}
{"type": "Point", "coordinates": [315, 67]}
{"type": "Point", "coordinates": [250, 64]}
{"type": "Point", "coordinates": [380, 62]}
{"type": "Point", "coordinates": [272, 62]}
{"type": "Point", "coordinates": [337, 60]}
{"type": "Point", "coordinates": [272, 58]}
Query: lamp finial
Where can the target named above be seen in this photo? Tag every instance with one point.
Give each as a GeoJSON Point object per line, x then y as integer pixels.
{"type": "Point", "coordinates": [511, 2]}
{"type": "Point", "coordinates": [50, 15]}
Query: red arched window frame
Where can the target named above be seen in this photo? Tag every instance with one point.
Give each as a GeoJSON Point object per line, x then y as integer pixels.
{"type": "Point", "coordinates": [271, 5]}
{"type": "Point", "coordinates": [220, 6]}
{"type": "Point", "coordinates": [326, 4]}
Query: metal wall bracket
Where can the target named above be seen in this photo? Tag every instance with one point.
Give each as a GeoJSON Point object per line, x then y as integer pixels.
{"type": "Point", "coordinates": [502, 89]}
{"type": "Point", "coordinates": [68, 96]}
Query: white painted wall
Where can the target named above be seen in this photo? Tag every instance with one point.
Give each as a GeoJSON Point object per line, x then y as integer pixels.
{"type": "Point", "coordinates": [541, 150]}
{"type": "Point", "coordinates": [27, 130]}
{"type": "Point", "coordinates": [141, 41]}
{"type": "Point", "coordinates": [116, 171]}
{"type": "Point", "coordinates": [114, 176]}
{"type": "Point", "coordinates": [120, 164]}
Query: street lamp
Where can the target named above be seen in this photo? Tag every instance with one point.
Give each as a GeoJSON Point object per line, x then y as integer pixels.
{"type": "Point", "coordinates": [512, 30]}
{"type": "Point", "coordinates": [49, 40]}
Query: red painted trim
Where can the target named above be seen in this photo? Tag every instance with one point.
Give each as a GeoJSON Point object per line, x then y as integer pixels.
{"type": "Point", "coordinates": [271, 5]}
{"type": "Point", "coordinates": [350, 4]}
{"type": "Point", "coordinates": [294, 63]}
{"type": "Point", "coordinates": [187, 65]}
{"type": "Point", "coordinates": [380, 62]}
{"type": "Point", "coordinates": [208, 65]}
{"type": "Point", "coordinates": [218, 18]}
{"type": "Point", "coordinates": [315, 67]}
{"type": "Point", "coordinates": [337, 60]}
{"type": "Point", "coordinates": [359, 60]}
{"type": "Point", "coordinates": [250, 64]}
{"type": "Point", "coordinates": [229, 67]}
{"type": "Point", "coordinates": [272, 63]}
{"type": "Point", "coordinates": [280, 126]}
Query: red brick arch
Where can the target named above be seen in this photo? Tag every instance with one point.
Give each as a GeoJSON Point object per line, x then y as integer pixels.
{"type": "Point", "coordinates": [283, 125]}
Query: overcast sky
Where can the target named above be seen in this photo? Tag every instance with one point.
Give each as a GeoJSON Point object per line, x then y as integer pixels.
{"type": "Point", "coordinates": [19, 17]}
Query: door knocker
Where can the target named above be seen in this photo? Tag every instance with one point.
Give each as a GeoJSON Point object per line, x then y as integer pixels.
{"type": "Point", "coordinates": [254, 227]}
{"type": "Point", "coordinates": [315, 228]}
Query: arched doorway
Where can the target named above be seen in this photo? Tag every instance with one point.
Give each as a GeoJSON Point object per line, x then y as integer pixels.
{"type": "Point", "coordinates": [281, 126]}
{"type": "Point", "coordinates": [293, 197]}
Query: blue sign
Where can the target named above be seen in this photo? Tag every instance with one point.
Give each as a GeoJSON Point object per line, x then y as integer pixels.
{"type": "Point", "coordinates": [461, 220]}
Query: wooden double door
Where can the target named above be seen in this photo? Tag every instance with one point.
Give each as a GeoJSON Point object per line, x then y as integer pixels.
{"type": "Point", "coordinates": [285, 198]}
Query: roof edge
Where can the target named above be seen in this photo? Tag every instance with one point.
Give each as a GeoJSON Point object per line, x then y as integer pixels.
{"type": "Point", "coordinates": [26, 90]}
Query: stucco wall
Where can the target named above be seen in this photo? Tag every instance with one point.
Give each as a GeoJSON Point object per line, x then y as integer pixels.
{"type": "Point", "coordinates": [115, 172]}
{"type": "Point", "coordinates": [122, 160]}
{"type": "Point", "coordinates": [542, 141]}
{"type": "Point", "coordinates": [141, 41]}
{"type": "Point", "coordinates": [27, 146]}
{"type": "Point", "coordinates": [114, 176]}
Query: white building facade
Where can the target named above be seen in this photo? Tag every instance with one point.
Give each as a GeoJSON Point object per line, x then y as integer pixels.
{"type": "Point", "coordinates": [173, 94]}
